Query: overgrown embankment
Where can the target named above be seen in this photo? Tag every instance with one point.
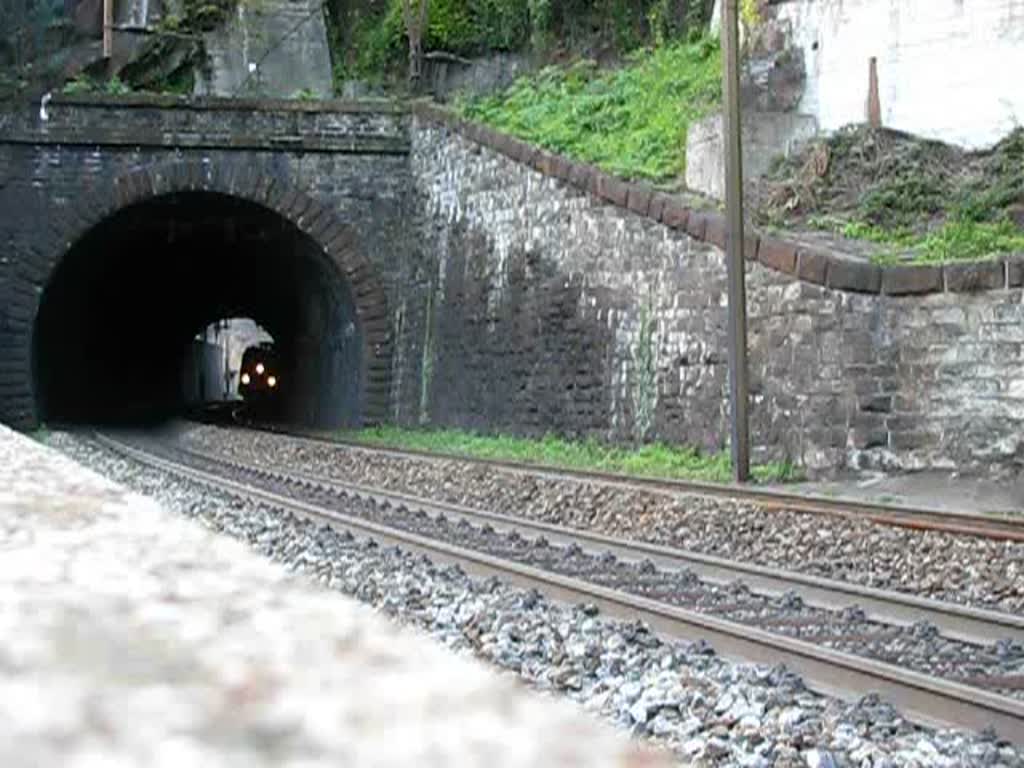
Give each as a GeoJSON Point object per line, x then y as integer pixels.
{"type": "Point", "coordinates": [917, 200]}
{"type": "Point", "coordinates": [631, 121]}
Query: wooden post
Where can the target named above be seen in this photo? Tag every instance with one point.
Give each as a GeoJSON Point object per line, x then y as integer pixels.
{"type": "Point", "coordinates": [731, 133]}
{"type": "Point", "coordinates": [108, 28]}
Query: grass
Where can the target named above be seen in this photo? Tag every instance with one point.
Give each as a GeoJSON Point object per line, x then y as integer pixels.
{"type": "Point", "coordinates": [959, 239]}
{"type": "Point", "coordinates": [630, 121]}
{"type": "Point", "coordinates": [970, 240]}
{"type": "Point", "coordinates": [652, 460]}
{"type": "Point", "coordinates": [85, 84]}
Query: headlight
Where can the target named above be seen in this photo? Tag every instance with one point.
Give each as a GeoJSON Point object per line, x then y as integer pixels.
{"type": "Point", "coordinates": [245, 378]}
{"type": "Point", "coordinates": [271, 381]}
{"type": "Point", "coordinates": [259, 369]}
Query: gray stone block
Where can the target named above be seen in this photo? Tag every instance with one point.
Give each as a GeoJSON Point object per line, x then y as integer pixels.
{"type": "Point", "coordinates": [850, 275]}
{"type": "Point", "coordinates": [969, 277]}
{"type": "Point", "coordinates": [904, 280]}
{"type": "Point", "coordinates": [250, 56]}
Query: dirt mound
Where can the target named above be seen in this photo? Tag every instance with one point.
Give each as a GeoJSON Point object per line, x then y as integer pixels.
{"type": "Point", "coordinates": [891, 182]}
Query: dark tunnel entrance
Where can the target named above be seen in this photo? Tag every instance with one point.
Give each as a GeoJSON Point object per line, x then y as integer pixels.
{"type": "Point", "coordinates": [121, 311]}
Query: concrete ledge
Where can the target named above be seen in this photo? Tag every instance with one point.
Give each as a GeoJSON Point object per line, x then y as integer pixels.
{"type": "Point", "coordinates": [166, 101]}
{"type": "Point", "coordinates": [147, 121]}
{"type": "Point", "coordinates": [131, 636]}
{"type": "Point", "coordinates": [837, 270]}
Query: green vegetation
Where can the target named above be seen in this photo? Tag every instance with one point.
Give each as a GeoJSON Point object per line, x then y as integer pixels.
{"type": "Point", "coordinates": [964, 238]}
{"type": "Point", "coordinates": [653, 460]}
{"type": "Point", "coordinates": [956, 239]}
{"type": "Point", "coordinates": [959, 239]}
{"type": "Point", "coordinates": [198, 16]}
{"type": "Point", "coordinates": [630, 121]}
{"type": "Point", "coordinates": [371, 45]}
{"type": "Point", "coordinates": [644, 383]}
{"type": "Point", "coordinates": [368, 39]}
{"type": "Point", "coordinates": [922, 201]}
{"type": "Point", "coordinates": [85, 84]}
{"type": "Point", "coordinates": [750, 14]}
{"type": "Point", "coordinates": [33, 37]}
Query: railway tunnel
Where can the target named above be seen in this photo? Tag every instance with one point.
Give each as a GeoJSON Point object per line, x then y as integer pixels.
{"type": "Point", "coordinates": [120, 310]}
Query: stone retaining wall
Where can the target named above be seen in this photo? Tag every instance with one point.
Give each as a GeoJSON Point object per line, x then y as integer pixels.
{"type": "Point", "coordinates": [520, 291]}
{"type": "Point", "coordinates": [568, 300]}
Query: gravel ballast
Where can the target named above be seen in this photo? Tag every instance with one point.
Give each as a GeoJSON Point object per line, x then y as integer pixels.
{"type": "Point", "coordinates": [919, 647]}
{"type": "Point", "coordinates": [956, 568]}
{"type": "Point", "coordinates": [709, 711]}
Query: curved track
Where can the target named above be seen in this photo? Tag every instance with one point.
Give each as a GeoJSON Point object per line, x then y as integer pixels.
{"type": "Point", "coordinates": [920, 696]}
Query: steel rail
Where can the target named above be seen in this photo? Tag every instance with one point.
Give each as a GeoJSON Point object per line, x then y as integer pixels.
{"type": "Point", "coordinates": [960, 622]}
{"type": "Point", "coordinates": [922, 698]}
{"type": "Point", "coordinates": [993, 526]}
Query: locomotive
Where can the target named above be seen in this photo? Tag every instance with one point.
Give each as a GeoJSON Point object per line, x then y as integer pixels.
{"type": "Point", "coordinates": [259, 379]}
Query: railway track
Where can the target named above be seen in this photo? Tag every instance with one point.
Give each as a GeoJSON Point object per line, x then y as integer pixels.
{"type": "Point", "coordinates": [498, 546]}
{"type": "Point", "coordinates": [994, 526]}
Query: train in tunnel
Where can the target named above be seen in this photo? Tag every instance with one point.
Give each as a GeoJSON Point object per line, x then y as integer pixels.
{"type": "Point", "coordinates": [260, 378]}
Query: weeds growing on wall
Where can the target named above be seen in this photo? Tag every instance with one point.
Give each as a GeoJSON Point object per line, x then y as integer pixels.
{"type": "Point", "coordinates": [630, 121]}
{"type": "Point", "coordinates": [652, 459]}
{"type": "Point", "coordinates": [427, 360]}
{"type": "Point", "coordinates": [644, 379]}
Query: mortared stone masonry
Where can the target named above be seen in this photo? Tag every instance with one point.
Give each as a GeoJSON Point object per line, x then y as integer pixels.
{"type": "Point", "coordinates": [501, 287]}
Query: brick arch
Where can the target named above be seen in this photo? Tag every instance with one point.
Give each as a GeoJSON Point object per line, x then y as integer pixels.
{"type": "Point", "coordinates": [279, 195]}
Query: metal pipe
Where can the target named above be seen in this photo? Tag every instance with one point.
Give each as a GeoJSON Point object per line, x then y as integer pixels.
{"type": "Point", "coordinates": [738, 377]}
{"type": "Point", "coordinates": [108, 28]}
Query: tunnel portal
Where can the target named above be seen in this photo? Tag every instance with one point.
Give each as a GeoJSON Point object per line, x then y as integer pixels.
{"type": "Point", "coordinates": [118, 314]}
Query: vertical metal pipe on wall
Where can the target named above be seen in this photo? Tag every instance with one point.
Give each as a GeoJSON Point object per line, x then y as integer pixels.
{"type": "Point", "coordinates": [731, 128]}
{"type": "Point", "coordinates": [108, 28]}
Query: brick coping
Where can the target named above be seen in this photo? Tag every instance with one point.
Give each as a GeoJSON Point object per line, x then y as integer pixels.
{"type": "Point", "coordinates": [816, 265]}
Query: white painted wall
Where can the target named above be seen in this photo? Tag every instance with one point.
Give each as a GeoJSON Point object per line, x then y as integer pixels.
{"type": "Point", "coordinates": [948, 69]}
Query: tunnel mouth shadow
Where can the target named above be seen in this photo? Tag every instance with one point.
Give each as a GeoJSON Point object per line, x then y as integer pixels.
{"type": "Point", "coordinates": [117, 319]}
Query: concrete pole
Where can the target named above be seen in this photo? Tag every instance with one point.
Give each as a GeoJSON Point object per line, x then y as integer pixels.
{"type": "Point", "coordinates": [738, 377]}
